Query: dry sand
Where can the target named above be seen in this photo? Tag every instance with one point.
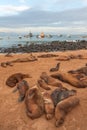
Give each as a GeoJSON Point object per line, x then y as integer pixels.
{"type": "Point", "coordinates": [13, 114]}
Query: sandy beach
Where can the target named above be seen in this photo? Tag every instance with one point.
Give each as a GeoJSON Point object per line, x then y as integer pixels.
{"type": "Point", "coordinates": [13, 114]}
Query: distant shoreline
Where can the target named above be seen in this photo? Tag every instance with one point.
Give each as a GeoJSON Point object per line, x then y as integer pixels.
{"type": "Point", "coordinates": [46, 47]}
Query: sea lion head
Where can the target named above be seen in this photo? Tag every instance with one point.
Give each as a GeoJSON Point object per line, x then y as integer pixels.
{"type": "Point", "coordinates": [32, 91]}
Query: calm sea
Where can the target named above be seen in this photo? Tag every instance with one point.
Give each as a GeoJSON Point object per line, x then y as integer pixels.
{"type": "Point", "coordinates": [13, 39]}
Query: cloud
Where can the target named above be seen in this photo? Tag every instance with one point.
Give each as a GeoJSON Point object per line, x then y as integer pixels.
{"type": "Point", "coordinates": [34, 18]}
{"type": "Point", "coordinates": [67, 21]}
{"type": "Point", "coordinates": [12, 10]}
{"type": "Point", "coordinates": [39, 16]}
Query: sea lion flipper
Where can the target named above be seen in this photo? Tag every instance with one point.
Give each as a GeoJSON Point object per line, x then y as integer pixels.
{"type": "Point", "coordinates": [15, 90]}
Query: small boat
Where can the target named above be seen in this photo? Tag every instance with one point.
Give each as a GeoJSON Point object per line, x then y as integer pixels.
{"type": "Point", "coordinates": [60, 35]}
{"type": "Point", "coordinates": [20, 37]}
{"type": "Point", "coordinates": [37, 36]}
{"type": "Point", "coordinates": [69, 36]}
{"type": "Point", "coordinates": [30, 34]}
{"type": "Point", "coordinates": [49, 35]}
{"type": "Point", "coordinates": [42, 35]}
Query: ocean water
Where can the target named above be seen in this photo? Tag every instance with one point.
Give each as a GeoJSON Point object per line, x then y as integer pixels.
{"type": "Point", "coordinates": [13, 39]}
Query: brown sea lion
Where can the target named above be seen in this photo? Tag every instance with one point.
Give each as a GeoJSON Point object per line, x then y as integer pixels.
{"type": "Point", "coordinates": [22, 86]}
{"type": "Point", "coordinates": [75, 56]}
{"type": "Point", "coordinates": [9, 63]}
{"type": "Point", "coordinates": [69, 78]}
{"type": "Point", "coordinates": [63, 107]}
{"type": "Point", "coordinates": [82, 70]}
{"type": "Point", "coordinates": [15, 78]}
{"type": "Point", "coordinates": [63, 58]}
{"type": "Point", "coordinates": [34, 103]}
{"type": "Point", "coordinates": [47, 56]}
{"type": "Point", "coordinates": [49, 106]}
{"type": "Point", "coordinates": [5, 64]}
{"type": "Point", "coordinates": [60, 94]}
{"type": "Point", "coordinates": [26, 59]}
{"type": "Point", "coordinates": [56, 68]}
{"type": "Point", "coordinates": [79, 76]}
{"type": "Point", "coordinates": [49, 80]}
{"type": "Point", "coordinates": [43, 84]}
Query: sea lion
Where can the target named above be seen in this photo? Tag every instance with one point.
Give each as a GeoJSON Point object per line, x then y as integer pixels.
{"type": "Point", "coordinates": [75, 56]}
{"type": "Point", "coordinates": [31, 58]}
{"type": "Point", "coordinates": [47, 55]}
{"type": "Point", "coordinates": [69, 78]}
{"type": "Point", "coordinates": [26, 59]}
{"type": "Point", "coordinates": [49, 105]}
{"type": "Point", "coordinates": [63, 107]}
{"type": "Point", "coordinates": [78, 76]}
{"type": "Point", "coordinates": [56, 68]}
{"type": "Point", "coordinates": [3, 64]}
{"type": "Point", "coordinates": [34, 103]}
{"type": "Point", "coordinates": [49, 80]}
{"type": "Point", "coordinates": [43, 84]}
{"type": "Point", "coordinates": [15, 78]}
{"type": "Point", "coordinates": [9, 63]}
{"type": "Point", "coordinates": [22, 87]}
{"type": "Point", "coordinates": [63, 58]}
{"type": "Point", "coordinates": [60, 94]}
{"type": "Point", "coordinates": [82, 70]}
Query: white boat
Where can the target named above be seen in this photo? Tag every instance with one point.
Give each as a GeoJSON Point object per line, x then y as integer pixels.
{"type": "Point", "coordinates": [49, 35]}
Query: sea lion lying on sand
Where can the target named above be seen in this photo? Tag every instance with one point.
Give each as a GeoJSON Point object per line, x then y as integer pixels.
{"type": "Point", "coordinates": [49, 80]}
{"type": "Point", "coordinates": [79, 76]}
{"type": "Point", "coordinates": [69, 78]}
{"type": "Point", "coordinates": [34, 103]}
{"type": "Point", "coordinates": [5, 64]}
{"type": "Point", "coordinates": [43, 84]}
{"type": "Point", "coordinates": [47, 56]}
{"type": "Point", "coordinates": [30, 58]}
{"type": "Point", "coordinates": [49, 106]}
{"type": "Point", "coordinates": [56, 68]}
{"type": "Point", "coordinates": [22, 86]}
{"type": "Point", "coordinates": [82, 70]}
{"type": "Point", "coordinates": [60, 94]}
{"type": "Point", "coordinates": [63, 107]}
{"type": "Point", "coordinates": [15, 78]}
{"type": "Point", "coordinates": [79, 56]}
{"type": "Point", "coordinates": [63, 58]}
{"type": "Point", "coordinates": [27, 59]}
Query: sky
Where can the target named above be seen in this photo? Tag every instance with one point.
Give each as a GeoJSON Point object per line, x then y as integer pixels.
{"type": "Point", "coordinates": [61, 16]}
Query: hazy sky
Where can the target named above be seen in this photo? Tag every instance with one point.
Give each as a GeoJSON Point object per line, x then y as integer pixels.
{"type": "Point", "coordinates": [48, 15]}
